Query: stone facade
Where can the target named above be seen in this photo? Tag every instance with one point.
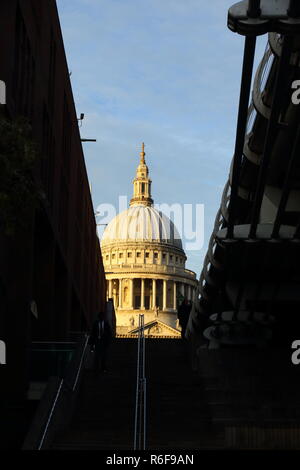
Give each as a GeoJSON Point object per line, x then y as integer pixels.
{"type": "Point", "coordinates": [145, 264]}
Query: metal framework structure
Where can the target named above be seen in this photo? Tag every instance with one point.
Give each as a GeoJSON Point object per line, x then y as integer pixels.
{"type": "Point", "coordinates": [249, 286]}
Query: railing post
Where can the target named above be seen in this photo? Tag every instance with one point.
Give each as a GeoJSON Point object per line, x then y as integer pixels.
{"type": "Point", "coordinates": [140, 400]}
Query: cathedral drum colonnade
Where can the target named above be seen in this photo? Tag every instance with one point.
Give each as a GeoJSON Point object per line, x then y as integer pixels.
{"type": "Point", "coordinates": [145, 264]}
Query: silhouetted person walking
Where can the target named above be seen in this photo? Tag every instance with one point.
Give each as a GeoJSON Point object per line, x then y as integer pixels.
{"type": "Point", "coordinates": [184, 311]}
{"type": "Point", "coordinates": [100, 339]}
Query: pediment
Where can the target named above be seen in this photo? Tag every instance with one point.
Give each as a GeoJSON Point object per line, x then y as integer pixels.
{"type": "Point", "coordinates": [157, 328]}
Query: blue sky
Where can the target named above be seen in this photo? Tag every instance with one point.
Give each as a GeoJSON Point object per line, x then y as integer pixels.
{"type": "Point", "coordinates": [163, 72]}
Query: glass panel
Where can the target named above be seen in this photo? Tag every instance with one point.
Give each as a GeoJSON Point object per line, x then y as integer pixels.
{"type": "Point", "coordinates": [49, 359]}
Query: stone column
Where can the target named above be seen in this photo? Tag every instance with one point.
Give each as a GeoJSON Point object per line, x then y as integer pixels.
{"type": "Point", "coordinates": [153, 293]}
{"type": "Point", "coordinates": [120, 293]}
{"type": "Point", "coordinates": [164, 294]}
{"type": "Point", "coordinates": [182, 289]}
{"type": "Point", "coordinates": [142, 294]}
{"type": "Point", "coordinates": [110, 281]}
{"type": "Point", "coordinates": [131, 293]}
{"type": "Point", "coordinates": [174, 295]}
{"type": "Point", "coordinates": [114, 293]}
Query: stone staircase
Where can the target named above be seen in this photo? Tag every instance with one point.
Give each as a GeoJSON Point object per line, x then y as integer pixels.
{"type": "Point", "coordinates": [177, 413]}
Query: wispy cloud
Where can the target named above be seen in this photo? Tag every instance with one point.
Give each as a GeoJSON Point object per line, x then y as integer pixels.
{"type": "Point", "coordinates": [163, 72]}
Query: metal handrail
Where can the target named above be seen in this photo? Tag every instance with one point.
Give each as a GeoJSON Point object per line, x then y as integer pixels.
{"type": "Point", "coordinates": [62, 382]}
{"type": "Point", "coordinates": [50, 415]}
{"type": "Point", "coordinates": [80, 363]}
{"type": "Point", "coordinates": [140, 399]}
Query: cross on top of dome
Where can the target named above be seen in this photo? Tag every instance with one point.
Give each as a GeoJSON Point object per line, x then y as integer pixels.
{"type": "Point", "coordinates": [142, 155]}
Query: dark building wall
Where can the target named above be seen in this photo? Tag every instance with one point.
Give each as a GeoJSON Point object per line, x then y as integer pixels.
{"type": "Point", "coordinates": [56, 261]}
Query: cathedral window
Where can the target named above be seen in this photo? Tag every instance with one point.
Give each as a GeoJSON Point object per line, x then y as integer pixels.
{"type": "Point", "coordinates": [138, 255]}
{"type": "Point", "coordinates": [128, 255]}
{"type": "Point", "coordinates": [147, 255]}
{"type": "Point", "coordinates": [120, 255]}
